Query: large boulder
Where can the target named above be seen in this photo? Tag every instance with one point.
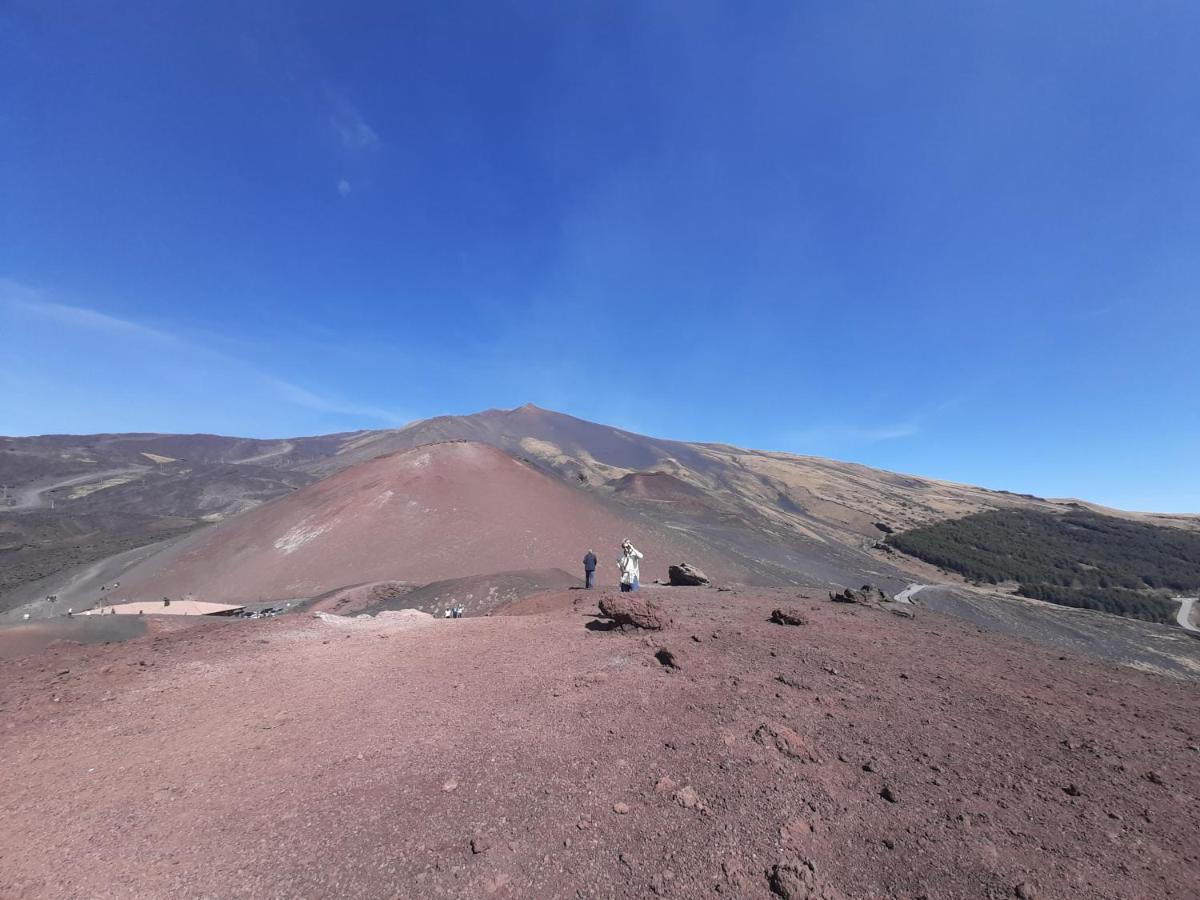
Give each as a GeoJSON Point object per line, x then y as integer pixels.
{"type": "Point", "coordinates": [629, 609]}
{"type": "Point", "coordinates": [788, 616]}
{"type": "Point", "coordinates": [867, 596]}
{"type": "Point", "coordinates": [687, 575]}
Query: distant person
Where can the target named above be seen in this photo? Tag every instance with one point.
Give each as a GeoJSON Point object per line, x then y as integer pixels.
{"type": "Point", "coordinates": [589, 569]}
{"type": "Point", "coordinates": [628, 565]}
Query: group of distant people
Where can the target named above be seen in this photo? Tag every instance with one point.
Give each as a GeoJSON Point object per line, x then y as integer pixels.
{"type": "Point", "coordinates": [628, 563]}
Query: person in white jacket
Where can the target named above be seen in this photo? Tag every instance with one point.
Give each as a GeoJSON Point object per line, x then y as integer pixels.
{"type": "Point", "coordinates": [628, 563]}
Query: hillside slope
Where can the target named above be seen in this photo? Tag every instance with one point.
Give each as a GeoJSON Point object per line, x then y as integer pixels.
{"type": "Point", "coordinates": [436, 512]}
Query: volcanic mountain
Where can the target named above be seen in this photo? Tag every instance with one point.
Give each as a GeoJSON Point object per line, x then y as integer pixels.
{"type": "Point", "coordinates": [530, 490]}
{"type": "Point", "coordinates": [435, 512]}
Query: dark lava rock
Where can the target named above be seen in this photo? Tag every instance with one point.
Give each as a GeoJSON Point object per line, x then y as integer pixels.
{"type": "Point", "coordinates": [672, 659]}
{"type": "Point", "coordinates": [626, 609]}
{"type": "Point", "coordinates": [686, 575]}
{"type": "Point", "coordinates": [866, 595]}
{"type": "Point", "coordinates": [789, 616]}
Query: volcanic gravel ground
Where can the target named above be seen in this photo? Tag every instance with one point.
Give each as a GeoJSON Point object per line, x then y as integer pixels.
{"type": "Point", "coordinates": [548, 756]}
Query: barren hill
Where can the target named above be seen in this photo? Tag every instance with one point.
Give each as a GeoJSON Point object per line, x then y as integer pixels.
{"type": "Point", "coordinates": [436, 512]}
{"type": "Point", "coordinates": [753, 516]}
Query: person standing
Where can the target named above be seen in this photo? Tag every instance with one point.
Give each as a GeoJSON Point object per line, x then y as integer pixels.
{"type": "Point", "coordinates": [589, 569]}
{"type": "Point", "coordinates": [629, 564]}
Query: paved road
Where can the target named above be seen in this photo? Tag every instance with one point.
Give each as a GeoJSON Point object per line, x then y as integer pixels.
{"type": "Point", "coordinates": [1184, 617]}
{"type": "Point", "coordinates": [906, 595]}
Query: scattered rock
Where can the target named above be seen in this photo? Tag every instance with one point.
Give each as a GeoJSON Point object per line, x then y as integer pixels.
{"type": "Point", "coordinates": [785, 740]}
{"type": "Point", "coordinates": [660, 883]}
{"type": "Point", "coordinates": [1025, 891]}
{"type": "Point", "coordinates": [626, 609]}
{"type": "Point", "coordinates": [885, 528]}
{"type": "Point", "coordinates": [621, 809]}
{"type": "Point", "coordinates": [480, 844]}
{"type": "Point", "coordinates": [793, 834]}
{"type": "Point", "coordinates": [889, 794]}
{"type": "Point", "coordinates": [687, 797]}
{"type": "Point", "coordinates": [1154, 778]}
{"type": "Point", "coordinates": [672, 659]}
{"type": "Point", "coordinates": [686, 575]}
{"type": "Point", "coordinates": [794, 880]}
{"type": "Point", "coordinates": [450, 786]}
{"type": "Point", "coordinates": [665, 785]}
{"type": "Point", "coordinates": [1072, 790]}
{"type": "Point", "coordinates": [904, 612]}
{"type": "Point", "coordinates": [788, 616]}
{"type": "Point", "coordinates": [867, 595]}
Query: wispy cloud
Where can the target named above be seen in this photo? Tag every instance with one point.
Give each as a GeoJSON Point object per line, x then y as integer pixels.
{"type": "Point", "coordinates": [24, 299]}
{"type": "Point", "coordinates": [825, 435]}
{"type": "Point", "coordinates": [352, 129]}
{"type": "Point", "coordinates": [343, 187]}
{"type": "Point", "coordinates": [301, 396]}
{"type": "Point", "coordinates": [21, 299]}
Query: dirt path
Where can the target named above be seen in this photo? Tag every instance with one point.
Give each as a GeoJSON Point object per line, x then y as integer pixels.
{"type": "Point", "coordinates": [530, 757]}
{"type": "Point", "coordinates": [286, 448]}
{"type": "Point", "coordinates": [33, 496]}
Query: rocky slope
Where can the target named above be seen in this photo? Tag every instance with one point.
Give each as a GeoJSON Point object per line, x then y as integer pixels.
{"type": "Point", "coordinates": [856, 755]}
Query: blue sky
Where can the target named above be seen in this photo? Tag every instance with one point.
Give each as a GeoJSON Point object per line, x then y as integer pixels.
{"type": "Point", "coordinates": [957, 239]}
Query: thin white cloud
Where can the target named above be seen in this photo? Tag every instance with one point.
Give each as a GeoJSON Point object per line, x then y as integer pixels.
{"type": "Point", "coordinates": [22, 299]}
{"type": "Point", "coordinates": [824, 435]}
{"type": "Point", "coordinates": [352, 129]}
{"type": "Point", "coordinates": [343, 187]}
{"type": "Point", "coordinates": [301, 396]}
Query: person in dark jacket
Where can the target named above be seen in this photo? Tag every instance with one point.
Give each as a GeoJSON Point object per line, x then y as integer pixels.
{"type": "Point", "coordinates": [589, 569]}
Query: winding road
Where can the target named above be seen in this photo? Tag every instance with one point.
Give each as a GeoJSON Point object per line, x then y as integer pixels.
{"type": "Point", "coordinates": [33, 496]}
{"type": "Point", "coordinates": [1184, 617]}
{"type": "Point", "coordinates": [906, 595]}
{"type": "Point", "coordinates": [285, 448]}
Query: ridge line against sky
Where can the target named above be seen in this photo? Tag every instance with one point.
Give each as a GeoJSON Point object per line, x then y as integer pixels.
{"type": "Point", "coordinates": [953, 239]}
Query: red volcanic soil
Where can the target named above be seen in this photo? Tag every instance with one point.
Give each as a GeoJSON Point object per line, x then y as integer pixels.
{"type": "Point", "coordinates": [435, 512]}
{"type": "Point", "coordinates": [545, 756]}
{"type": "Point", "coordinates": [480, 595]}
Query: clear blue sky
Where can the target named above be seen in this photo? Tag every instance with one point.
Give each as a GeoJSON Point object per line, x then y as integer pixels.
{"type": "Point", "coordinates": [957, 239]}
